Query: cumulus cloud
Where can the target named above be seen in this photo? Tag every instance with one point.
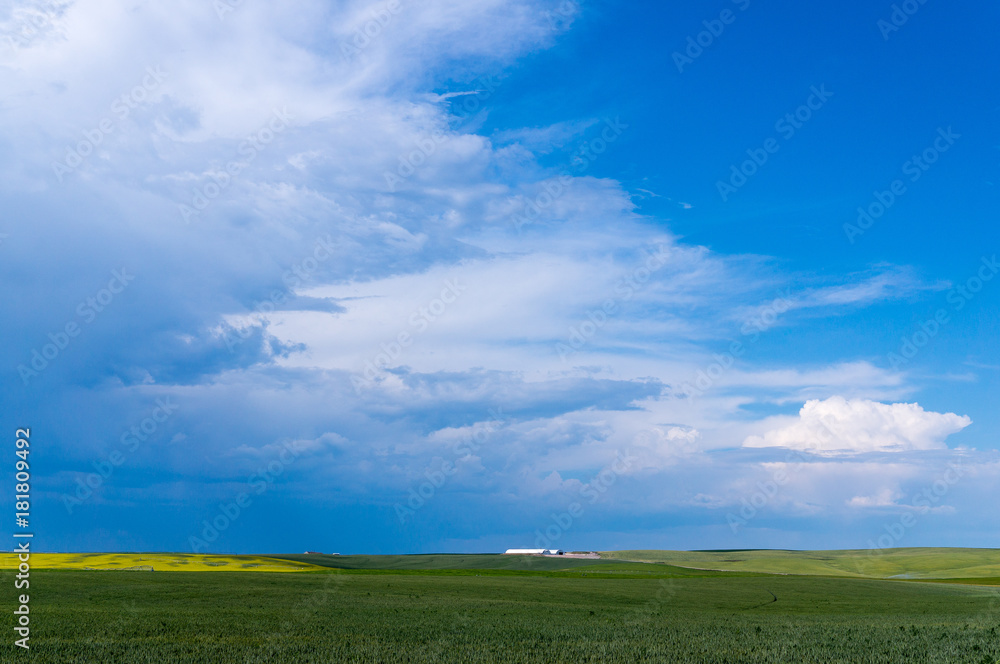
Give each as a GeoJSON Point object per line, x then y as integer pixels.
{"type": "Point", "coordinates": [841, 426]}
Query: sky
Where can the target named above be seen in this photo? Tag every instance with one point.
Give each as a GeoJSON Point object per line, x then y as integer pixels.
{"type": "Point", "coordinates": [464, 275]}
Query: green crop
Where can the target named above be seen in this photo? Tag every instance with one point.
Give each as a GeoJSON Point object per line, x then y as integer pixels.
{"type": "Point", "coordinates": [335, 617]}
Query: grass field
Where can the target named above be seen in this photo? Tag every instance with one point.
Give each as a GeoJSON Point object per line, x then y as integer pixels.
{"type": "Point", "coordinates": [500, 565]}
{"type": "Point", "coordinates": [915, 563]}
{"type": "Point", "coordinates": [491, 608]}
{"type": "Point", "coordinates": [361, 617]}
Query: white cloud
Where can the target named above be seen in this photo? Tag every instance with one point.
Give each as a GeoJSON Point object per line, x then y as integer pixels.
{"type": "Point", "coordinates": [884, 498]}
{"type": "Point", "coordinates": [841, 426]}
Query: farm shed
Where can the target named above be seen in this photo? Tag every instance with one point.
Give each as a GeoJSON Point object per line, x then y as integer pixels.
{"type": "Point", "coordinates": [533, 552]}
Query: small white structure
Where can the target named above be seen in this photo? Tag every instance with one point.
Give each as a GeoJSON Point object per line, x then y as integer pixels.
{"type": "Point", "coordinates": [533, 552]}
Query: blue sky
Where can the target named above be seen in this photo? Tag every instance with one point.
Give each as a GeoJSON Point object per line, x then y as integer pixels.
{"type": "Point", "coordinates": [460, 276]}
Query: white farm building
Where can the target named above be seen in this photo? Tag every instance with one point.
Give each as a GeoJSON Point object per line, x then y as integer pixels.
{"type": "Point", "coordinates": [533, 552]}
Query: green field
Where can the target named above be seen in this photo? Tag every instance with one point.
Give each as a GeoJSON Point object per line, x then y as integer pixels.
{"type": "Point", "coordinates": [915, 563]}
{"type": "Point", "coordinates": [506, 609]}
{"type": "Point", "coordinates": [499, 565]}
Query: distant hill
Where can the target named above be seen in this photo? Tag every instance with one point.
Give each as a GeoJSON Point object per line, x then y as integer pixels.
{"type": "Point", "coordinates": [980, 566]}
{"type": "Point", "coordinates": [909, 563]}
{"type": "Point", "coordinates": [912, 563]}
{"type": "Point", "coordinates": [489, 562]}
